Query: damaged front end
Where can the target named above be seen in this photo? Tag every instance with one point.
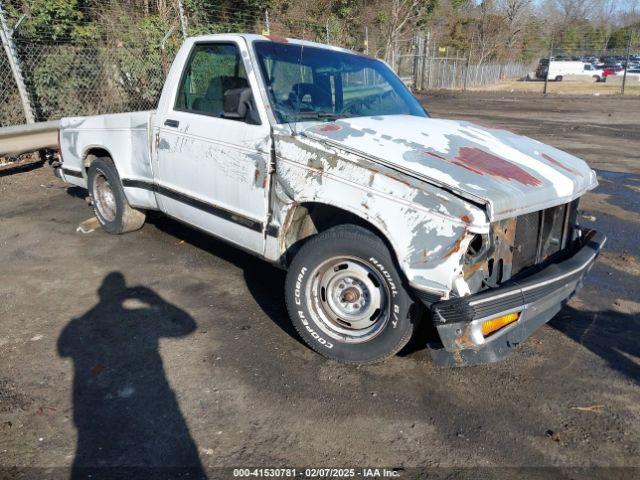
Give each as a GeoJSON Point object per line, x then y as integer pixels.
{"type": "Point", "coordinates": [522, 273]}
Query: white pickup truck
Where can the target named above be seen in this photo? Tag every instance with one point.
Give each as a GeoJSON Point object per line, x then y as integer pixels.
{"type": "Point", "coordinates": [320, 160]}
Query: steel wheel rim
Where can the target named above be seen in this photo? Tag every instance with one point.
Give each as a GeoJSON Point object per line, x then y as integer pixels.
{"type": "Point", "coordinates": [348, 299]}
{"type": "Point", "coordinates": [105, 200]}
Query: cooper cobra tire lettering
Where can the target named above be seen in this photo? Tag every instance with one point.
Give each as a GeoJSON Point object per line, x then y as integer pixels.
{"type": "Point", "coordinates": [310, 295]}
{"type": "Point", "coordinates": [313, 333]}
{"type": "Point", "coordinates": [298, 284]}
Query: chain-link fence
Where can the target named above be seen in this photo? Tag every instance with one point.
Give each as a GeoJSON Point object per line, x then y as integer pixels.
{"type": "Point", "coordinates": [67, 77]}
{"type": "Point", "coordinates": [458, 73]}
{"type": "Point", "coordinates": [11, 112]}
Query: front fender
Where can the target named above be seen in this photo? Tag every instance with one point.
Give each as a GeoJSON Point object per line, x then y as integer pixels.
{"type": "Point", "coordinates": [428, 228]}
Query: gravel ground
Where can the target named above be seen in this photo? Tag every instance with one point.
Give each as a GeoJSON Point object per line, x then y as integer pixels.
{"type": "Point", "coordinates": [165, 348]}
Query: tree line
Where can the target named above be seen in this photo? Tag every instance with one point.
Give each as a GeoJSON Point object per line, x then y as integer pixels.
{"type": "Point", "coordinates": [507, 29]}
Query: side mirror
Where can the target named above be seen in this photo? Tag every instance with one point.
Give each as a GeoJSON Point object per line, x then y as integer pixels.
{"type": "Point", "coordinates": [238, 104]}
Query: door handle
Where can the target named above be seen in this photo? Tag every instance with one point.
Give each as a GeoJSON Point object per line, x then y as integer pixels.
{"type": "Point", "coordinates": [171, 123]}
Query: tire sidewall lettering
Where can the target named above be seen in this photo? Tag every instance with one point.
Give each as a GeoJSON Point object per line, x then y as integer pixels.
{"type": "Point", "coordinates": [298, 300]}
{"type": "Point", "coordinates": [395, 308]}
{"type": "Point", "coordinates": [302, 302]}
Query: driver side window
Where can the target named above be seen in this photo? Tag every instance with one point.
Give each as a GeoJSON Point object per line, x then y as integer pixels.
{"type": "Point", "coordinates": [212, 70]}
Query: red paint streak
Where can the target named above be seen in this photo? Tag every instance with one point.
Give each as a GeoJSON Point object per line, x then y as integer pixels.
{"type": "Point", "coordinates": [277, 39]}
{"type": "Point", "coordinates": [485, 163]}
{"type": "Point", "coordinates": [329, 127]}
{"type": "Point", "coordinates": [439, 157]}
{"type": "Point", "coordinates": [552, 160]}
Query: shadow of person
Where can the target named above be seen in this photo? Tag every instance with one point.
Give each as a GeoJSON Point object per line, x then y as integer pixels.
{"type": "Point", "coordinates": [127, 416]}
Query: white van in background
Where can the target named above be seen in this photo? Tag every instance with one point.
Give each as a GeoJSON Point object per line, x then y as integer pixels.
{"type": "Point", "coordinates": [560, 70]}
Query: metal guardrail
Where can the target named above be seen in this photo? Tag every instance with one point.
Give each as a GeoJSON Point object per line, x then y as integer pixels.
{"type": "Point", "coordinates": [28, 138]}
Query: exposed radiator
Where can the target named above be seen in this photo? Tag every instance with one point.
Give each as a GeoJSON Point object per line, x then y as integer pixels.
{"type": "Point", "coordinates": [541, 234]}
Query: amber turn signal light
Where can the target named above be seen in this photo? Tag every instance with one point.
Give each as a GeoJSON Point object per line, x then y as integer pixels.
{"type": "Point", "coordinates": [495, 324]}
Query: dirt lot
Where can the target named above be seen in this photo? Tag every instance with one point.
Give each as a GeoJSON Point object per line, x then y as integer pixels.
{"type": "Point", "coordinates": [563, 88]}
{"type": "Point", "coordinates": [216, 377]}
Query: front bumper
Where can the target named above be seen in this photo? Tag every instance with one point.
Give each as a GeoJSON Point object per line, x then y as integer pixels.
{"type": "Point", "coordinates": [537, 298]}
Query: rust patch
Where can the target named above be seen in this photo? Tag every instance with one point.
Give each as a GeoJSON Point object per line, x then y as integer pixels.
{"type": "Point", "coordinates": [485, 163]}
{"type": "Point", "coordinates": [329, 127]}
{"type": "Point", "coordinates": [405, 182]}
{"type": "Point", "coordinates": [464, 342]}
{"type": "Point", "coordinates": [361, 54]}
{"type": "Point", "coordinates": [457, 245]}
{"type": "Point", "coordinates": [465, 218]}
{"type": "Point", "coordinates": [273, 38]}
{"type": "Point", "coordinates": [558, 164]}
{"type": "Point", "coordinates": [365, 205]}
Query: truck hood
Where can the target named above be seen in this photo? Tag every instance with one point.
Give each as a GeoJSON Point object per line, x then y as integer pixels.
{"type": "Point", "coordinates": [510, 173]}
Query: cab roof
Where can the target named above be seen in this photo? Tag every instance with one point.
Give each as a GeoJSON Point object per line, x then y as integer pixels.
{"type": "Point", "coordinates": [253, 37]}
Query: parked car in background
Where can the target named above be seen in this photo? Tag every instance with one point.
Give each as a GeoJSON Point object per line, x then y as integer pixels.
{"type": "Point", "coordinates": [612, 71]}
{"type": "Point", "coordinates": [634, 73]}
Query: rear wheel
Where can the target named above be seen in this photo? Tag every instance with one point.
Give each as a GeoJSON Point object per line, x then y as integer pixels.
{"type": "Point", "coordinates": [559, 78]}
{"type": "Point", "coordinates": [109, 201]}
{"type": "Point", "coordinates": [346, 298]}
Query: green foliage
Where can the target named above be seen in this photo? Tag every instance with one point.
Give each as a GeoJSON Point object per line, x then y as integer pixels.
{"type": "Point", "coordinates": [620, 38]}
{"type": "Point", "coordinates": [61, 19]}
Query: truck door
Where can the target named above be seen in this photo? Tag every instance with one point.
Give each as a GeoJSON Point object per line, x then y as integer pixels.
{"type": "Point", "coordinates": [212, 171]}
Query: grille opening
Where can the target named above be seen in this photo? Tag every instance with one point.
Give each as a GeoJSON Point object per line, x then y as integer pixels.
{"type": "Point", "coordinates": [475, 247]}
{"type": "Point", "coordinates": [540, 235]}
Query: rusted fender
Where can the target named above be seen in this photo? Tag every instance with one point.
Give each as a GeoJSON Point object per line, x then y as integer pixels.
{"type": "Point", "coordinates": [428, 227]}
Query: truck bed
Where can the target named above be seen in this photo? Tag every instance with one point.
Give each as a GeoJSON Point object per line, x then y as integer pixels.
{"type": "Point", "coordinates": [125, 137]}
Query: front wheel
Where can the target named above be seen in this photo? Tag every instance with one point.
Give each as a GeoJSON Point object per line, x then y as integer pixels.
{"type": "Point", "coordinates": [347, 299]}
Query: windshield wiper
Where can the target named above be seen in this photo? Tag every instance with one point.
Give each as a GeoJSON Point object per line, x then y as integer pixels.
{"type": "Point", "coordinates": [318, 115]}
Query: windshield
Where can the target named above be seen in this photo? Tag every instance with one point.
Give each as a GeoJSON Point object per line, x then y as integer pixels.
{"type": "Point", "coordinates": [308, 83]}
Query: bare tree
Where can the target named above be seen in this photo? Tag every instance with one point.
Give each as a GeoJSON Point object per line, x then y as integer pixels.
{"type": "Point", "coordinates": [573, 10]}
{"type": "Point", "coordinates": [517, 15]}
{"type": "Point", "coordinates": [490, 31]}
{"type": "Point", "coordinates": [403, 14]}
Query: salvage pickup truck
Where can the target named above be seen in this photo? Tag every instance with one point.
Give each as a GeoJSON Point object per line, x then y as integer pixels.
{"type": "Point", "coordinates": [320, 160]}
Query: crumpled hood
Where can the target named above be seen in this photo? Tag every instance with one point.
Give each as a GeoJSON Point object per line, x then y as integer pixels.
{"type": "Point", "coordinates": [510, 173]}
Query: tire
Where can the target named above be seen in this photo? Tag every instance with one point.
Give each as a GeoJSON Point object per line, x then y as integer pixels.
{"type": "Point", "coordinates": [109, 202]}
{"type": "Point", "coordinates": [559, 78]}
{"type": "Point", "coordinates": [346, 298]}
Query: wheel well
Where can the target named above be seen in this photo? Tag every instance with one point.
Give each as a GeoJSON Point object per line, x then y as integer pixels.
{"type": "Point", "coordinates": [92, 154]}
{"type": "Point", "coordinates": [309, 219]}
